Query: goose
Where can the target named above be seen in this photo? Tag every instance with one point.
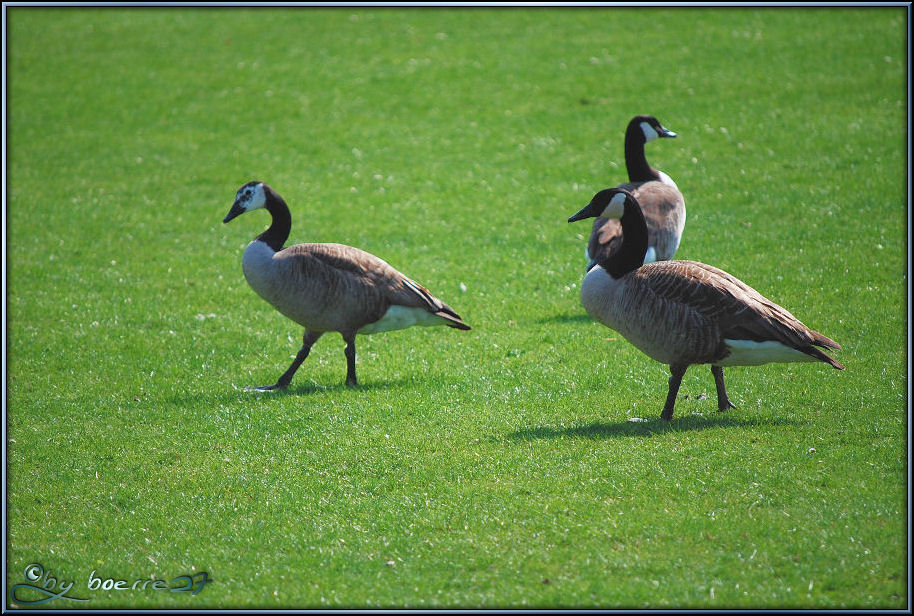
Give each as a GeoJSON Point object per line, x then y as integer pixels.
{"type": "Point", "coordinates": [660, 199]}
{"type": "Point", "coordinates": [329, 287]}
{"type": "Point", "coordinates": [684, 312]}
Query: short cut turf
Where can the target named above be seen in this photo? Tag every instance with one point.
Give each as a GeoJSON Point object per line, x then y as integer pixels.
{"type": "Point", "coordinates": [504, 467]}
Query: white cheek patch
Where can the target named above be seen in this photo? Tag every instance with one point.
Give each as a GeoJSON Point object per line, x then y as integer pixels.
{"type": "Point", "coordinates": [252, 197]}
{"type": "Point", "coordinates": [615, 208]}
{"type": "Point", "coordinates": [649, 133]}
{"type": "Point", "coordinates": [750, 353]}
{"type": "Point", "coordinates": [401, 317]}
{"type": "Point", "coordinates": [651, 255]}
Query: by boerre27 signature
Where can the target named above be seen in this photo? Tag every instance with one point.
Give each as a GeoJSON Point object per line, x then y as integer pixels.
{"type": "Point", "coordinates": [43, 586]}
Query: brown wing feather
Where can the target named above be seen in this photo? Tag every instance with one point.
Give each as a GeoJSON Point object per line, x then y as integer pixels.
{"type": "Point", "coordinates": [739, 311]}
{"type": "Point", "coordinates": [360, 274]}
{"type": "Point", "coordinates": [605, 239]}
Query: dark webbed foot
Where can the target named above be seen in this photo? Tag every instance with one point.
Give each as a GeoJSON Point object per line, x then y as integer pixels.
{"type": "Point", "coordinates": [265, 388]}
{"type": "Point", "coordinates": [308, 341]}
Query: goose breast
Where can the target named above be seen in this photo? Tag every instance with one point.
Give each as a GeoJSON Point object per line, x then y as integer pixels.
{"type": "Point", "coordinates": [324, 287]}
{"type": "Point", "coordinates": [667, 329]}
{"type": "Point", "coordinates": [686, 312]}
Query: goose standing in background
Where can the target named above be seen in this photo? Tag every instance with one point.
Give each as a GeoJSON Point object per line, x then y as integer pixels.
{"type": "Point", "coordinates": [684, 312]}
{"type": "Point", "coordinates": [658, 195]}
{"type": "Point", "coordinates": [329, 287]}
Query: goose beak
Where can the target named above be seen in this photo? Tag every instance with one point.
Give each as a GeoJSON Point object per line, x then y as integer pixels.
{"type": "Point", "coordinates": [236, 210]}
{"type": "Point", "coordinates": [665, 132]}
{"type": "Point", "coordinates": [589, 211]}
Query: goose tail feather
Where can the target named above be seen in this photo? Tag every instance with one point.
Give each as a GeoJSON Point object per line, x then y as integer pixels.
{"type": "Point", "coordinates": [828, 359]}
{"type": "Point", "coordinates": [825, 341]}
{"type": "Point", "coordinates": [452, 319]}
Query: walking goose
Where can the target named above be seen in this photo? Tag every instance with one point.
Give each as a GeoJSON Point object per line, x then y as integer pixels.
{"type": "Point", "coordinates": [660, 199]}
{"type": "Point", "coordinates": [329, 287]}
{"type": "Point", "coordinates": [684, 312]}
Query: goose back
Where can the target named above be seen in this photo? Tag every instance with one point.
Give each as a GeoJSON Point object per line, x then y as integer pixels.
{"type": "Point", "coordinates": [685, 312]}
{"type": "Point", "coordinates": [328, 287]}
{"type": "Point", "coordinates": [664, 212]}
{"type": "Point", "coordinates": [334, 287]}
{"type": "Point", "coordinates": [660, 199]}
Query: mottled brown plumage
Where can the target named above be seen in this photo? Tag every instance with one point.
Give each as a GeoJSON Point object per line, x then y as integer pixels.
{"type": "Point", "coordinates": [334, 287]}
{"type": "Point", "coordinates": [330, 287]}
{"type": "Point", "coordinates": [682, 312]}
{"type": "Point", "coordinates": [659, 197]}
{"type": "Point", "coordinates": [664, 210]}
{"type": "Point", "coordinates": [685, 312]}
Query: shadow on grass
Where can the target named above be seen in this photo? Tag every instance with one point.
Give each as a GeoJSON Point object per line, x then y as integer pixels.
{"type": "Point", "coordinates": [233, 393]}
{"type": "Point", "coordinates": [648, 427]}
{"type": "Point", "coordinates": [312, 388]}
{"type": "Point", "coordinates": [566, 318]}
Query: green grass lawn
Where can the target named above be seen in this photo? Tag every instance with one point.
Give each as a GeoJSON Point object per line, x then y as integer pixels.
{"type": "Point", "coordinates": [493, 468]}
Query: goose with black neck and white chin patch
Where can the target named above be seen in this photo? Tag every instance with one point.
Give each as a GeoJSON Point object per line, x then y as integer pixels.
{"type": "Point", "coordinates": [685, 312]}
{"type": "Point", "coordinates": [659, 197]}
{"type": "Point", "coordinates": [329, 287]}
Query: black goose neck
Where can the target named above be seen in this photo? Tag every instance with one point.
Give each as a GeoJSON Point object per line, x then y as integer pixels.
{"type": "Point", "coordinates": [635, 162]}
{"type": "Point", "coordinates": [278, 232]}
{"type": "Point", "coordinates": [630, 255]}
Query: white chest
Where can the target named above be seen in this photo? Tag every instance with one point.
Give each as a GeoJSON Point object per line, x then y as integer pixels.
{"type": "Point", "coordinates": [601, 296]}
{"type": "Point", "coordinates": [257, 264]}
{"type": "Point", "coordinates": [664, 178]}
{"type": "Point", "coordinates": [616, 304]}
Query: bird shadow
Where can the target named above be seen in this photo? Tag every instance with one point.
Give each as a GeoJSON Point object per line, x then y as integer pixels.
{"type": "Point", "coordinates": [305, 389]}
{"type": "Point", "coordinates": [565, 318]}
{"type": "Point", "coordinates": [641, 427]}
{"type": "Point", "coordinates": [233, 393]}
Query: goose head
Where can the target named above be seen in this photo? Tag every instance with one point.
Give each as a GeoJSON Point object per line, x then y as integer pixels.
{"type": "Point", "coordinates": [650, 128]}
{"type": "Point", "coordinates": [608, 203]}
{"type": "Point", "coordinates": [251, 196]}
{"type": "Point", "coordinates": [620, 204]}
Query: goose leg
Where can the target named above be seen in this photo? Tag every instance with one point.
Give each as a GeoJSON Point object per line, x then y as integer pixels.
{"type": "Point", "coordinates": [723, 401]}
{"type": "Point", "coordinates": [676, 373]}
{"type": "Point", "coordinates": [308, 341]}
{"type": "Point", "coordinates": [351, 380]}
